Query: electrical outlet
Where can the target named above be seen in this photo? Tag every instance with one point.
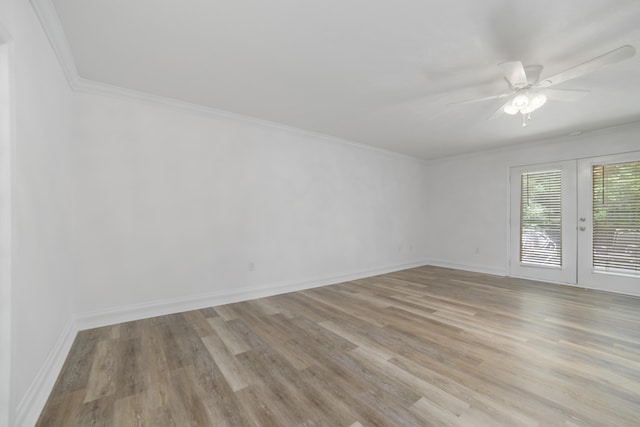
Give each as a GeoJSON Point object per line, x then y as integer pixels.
{"type": "Point", "coordinates": [252, 266]}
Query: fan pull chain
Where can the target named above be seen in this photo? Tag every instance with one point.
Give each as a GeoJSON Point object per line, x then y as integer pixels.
{"type": "Point", "coordinates": [524, 121]}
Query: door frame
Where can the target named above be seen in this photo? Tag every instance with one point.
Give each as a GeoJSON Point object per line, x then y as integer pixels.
{"type": "Point", "coordinates": [7, 136]}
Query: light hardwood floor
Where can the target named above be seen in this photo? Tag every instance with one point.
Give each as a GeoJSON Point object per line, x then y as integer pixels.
{"type": "Point", "coordinates": [427, 346]}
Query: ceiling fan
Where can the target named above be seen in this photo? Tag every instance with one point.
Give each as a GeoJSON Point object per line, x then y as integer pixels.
{"type": "Point", "coordinates": [528, 91]}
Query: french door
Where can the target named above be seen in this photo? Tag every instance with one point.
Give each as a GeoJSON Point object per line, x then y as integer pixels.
{"type": "Point", "coordinates": [543, 222]}
{"type": "Point", "coordinates": [578, 222]}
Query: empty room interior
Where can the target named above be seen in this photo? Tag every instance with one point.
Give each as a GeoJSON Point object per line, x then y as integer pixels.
{"type": "Point", "coordinates": [332, 213]}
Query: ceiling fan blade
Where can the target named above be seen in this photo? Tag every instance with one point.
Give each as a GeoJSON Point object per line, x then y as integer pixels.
{"type": "Point", "coordinates": [590, 66]}
{"type": "Point", "coordinates": [566, 95]}
{"type": "Point", "coordinates": [499, 112]}
{"type": "Point", "coordinates": [484, 98]}
{"type": "Point", "coordinates": [514, 73]}
{"type": "Point", "coordinates": [533, 73]}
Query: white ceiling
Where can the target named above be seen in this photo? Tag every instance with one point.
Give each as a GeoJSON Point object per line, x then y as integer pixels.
{"type": "Point", "coordinates": [377, 72]}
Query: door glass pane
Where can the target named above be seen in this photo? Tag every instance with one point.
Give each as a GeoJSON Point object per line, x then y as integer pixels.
{"type": "Point", "coordinates": [616, 217]}
{"type": "Point", "coordinates": [541, 218]}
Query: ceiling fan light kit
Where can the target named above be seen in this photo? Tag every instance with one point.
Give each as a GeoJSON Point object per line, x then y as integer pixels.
{"type": "Point", "coordinates": [529, 92]}
{"type": "Point", "coordinates": [525, 104]}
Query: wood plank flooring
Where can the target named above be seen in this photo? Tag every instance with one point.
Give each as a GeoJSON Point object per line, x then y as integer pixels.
{"type": "Point", "coordinates": [421, 347]}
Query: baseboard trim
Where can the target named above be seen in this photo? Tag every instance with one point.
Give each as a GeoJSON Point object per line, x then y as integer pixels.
{"type": "Point", "coordinates": [99, 318]}
{"type": "Point", "coordinates": [467, 267]}
{"type": "Point", "coordinates": [31, 405]}
{"type": "Point", "coordinates": [34, 400]}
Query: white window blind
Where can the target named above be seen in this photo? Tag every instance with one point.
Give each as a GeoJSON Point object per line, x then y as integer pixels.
{"type": "Point", "coordinates": [541, 218]}
{"type": "Point", "coordinates": [616, 217]}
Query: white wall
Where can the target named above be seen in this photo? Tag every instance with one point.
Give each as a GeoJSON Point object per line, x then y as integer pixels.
{"type": "Point", "coordinates": [471, 193]}
{"type": "Point", "coordinates": [173, 204]}
{"type": "Point", "coordinates": [169, 205]}
{"type": "Point", "coordinates": [41, 207]}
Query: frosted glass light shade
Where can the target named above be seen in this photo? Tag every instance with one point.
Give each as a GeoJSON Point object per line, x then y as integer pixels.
{"type": "Point", "coordinates": [537, 101]}
{"type": "Point", "coordinates": [510, 109]}
{"type": "Point", "coordinates": [520, 101]}
{"type": "Point", "coordinates": [525, 103]}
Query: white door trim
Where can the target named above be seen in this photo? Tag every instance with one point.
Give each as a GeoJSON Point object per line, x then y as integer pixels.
{"type": "Point", "coordinates": [7, 126]}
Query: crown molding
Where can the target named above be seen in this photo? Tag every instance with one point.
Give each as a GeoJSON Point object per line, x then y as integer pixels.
{"type": "Point", "coordinates": [50, 22]}
{"type": "Point", "coordinates": [80, 84]}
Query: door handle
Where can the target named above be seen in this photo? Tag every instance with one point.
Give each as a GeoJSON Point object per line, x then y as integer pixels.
{"type": "Point", "coordinates": [582, 228]}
